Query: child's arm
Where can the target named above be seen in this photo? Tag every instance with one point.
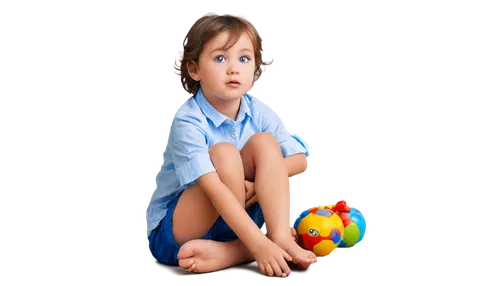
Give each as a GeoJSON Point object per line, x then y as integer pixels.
{"type": "Point", "coordinates": [296, 164]}
{"type": "Point", "coordinates": [293, 148]}
{"type": "Point", "coordinates": [230, 209]}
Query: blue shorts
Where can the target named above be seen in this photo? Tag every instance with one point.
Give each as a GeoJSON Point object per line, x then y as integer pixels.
{"type": "Point", "coordinates": [165, 249]}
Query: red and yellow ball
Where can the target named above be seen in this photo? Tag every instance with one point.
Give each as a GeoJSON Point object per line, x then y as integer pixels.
{"type": "Point", "coordinates": [320, 230]}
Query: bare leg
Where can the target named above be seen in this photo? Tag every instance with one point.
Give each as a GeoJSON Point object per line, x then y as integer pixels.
{"type": "Point", "coordinates": [250, 187]}
{"type": "Point", "coordinates": [264, 163]}
{"type": "Point", "coordinates": [201, 255]}
{"type": "Point", "coordinates": [195, 214]}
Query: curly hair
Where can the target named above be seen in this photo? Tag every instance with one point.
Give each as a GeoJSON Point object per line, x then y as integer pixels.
{"type": "Point", "coordinates": [205, 29]}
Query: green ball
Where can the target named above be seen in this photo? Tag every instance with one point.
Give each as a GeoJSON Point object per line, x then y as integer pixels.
{"type": "Point", "coordinates": [351, 234]}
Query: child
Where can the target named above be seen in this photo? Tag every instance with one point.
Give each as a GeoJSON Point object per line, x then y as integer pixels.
{"type": "Point", "coordinates": [227, 162]}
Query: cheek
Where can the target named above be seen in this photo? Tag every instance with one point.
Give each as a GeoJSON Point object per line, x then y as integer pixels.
{"type": "Point", "coordinates": [212, 73]}
{"type": "Point", "coordinates": [251, 72]}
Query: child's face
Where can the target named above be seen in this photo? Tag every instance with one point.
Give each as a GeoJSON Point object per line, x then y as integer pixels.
{"type": "Point", "coordinates": [226, 74]}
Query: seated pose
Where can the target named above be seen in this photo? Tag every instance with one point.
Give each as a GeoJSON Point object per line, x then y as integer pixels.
{"type": "Point", "coordinates": [227, 162]}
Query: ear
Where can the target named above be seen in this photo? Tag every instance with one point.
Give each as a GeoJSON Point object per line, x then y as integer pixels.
{"type": "Point", "coordinates": [193, 70]}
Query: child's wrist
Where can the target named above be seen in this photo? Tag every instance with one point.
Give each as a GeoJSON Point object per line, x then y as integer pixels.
{"type": "Point", "coordinates": [254, 244]}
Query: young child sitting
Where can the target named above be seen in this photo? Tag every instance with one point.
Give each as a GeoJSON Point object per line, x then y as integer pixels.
{"type": "Point", "coordinates": [227, 162]}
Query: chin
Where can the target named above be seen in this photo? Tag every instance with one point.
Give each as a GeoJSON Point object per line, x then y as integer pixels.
{"type": "Point", "coordinates": [229, 98]}
{"type": "Point", "coordinates": [232, 95]}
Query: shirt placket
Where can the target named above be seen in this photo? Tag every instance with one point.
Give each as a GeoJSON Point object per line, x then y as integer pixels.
{"type": "Point", "coordinates": [231, 130]}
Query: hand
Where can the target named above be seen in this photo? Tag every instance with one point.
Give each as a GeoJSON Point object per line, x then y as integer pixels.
{"type": "Point", "coordinates": [272, 259]}
{"type": "Point", "coordinates": [250, 195]}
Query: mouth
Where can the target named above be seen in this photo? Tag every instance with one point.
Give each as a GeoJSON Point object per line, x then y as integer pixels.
{"type": "Point", "coordinates": [233, 83]}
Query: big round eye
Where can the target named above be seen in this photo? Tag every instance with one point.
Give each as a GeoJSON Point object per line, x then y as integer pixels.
{"type": "Point", "coordinates": [313, 232]}
{"type": "Point", "coordinates": [220, 59]}
{"type": "Point", "coordinates": [244, 59]}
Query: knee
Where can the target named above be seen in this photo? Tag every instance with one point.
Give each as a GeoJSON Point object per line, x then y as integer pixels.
{"type": "Point", "coordinates": [264, 142]}
{"type": "Point", "coordinates": [222, 152]}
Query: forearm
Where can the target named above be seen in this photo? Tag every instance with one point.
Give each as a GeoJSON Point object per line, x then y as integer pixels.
{"type": "Point", "coordinates": [296, 164]}
{"type": "Point", "coordinates": [231, 211]}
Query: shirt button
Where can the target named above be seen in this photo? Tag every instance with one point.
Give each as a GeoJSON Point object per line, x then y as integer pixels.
{"type": "Point", "coordinates": [228, 121]}
{"type": "Point", "coordinates": [233, 136]}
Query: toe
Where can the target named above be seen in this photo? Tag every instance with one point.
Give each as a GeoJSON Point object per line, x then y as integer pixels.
{"type": "Point", "coordinates": [185, 252]}
{"type": "Point", "coordinates": [186, 263]}
{"type": "Point", "coordinates": [192, 268]}
{"type": "Point", "coordinates": [313, 256]}
{"type": "Point", "coordinates": [303, 266]}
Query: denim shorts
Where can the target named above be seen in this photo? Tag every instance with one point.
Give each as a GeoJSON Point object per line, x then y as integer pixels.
{"type": "Point", "coordinates": [165, 249]}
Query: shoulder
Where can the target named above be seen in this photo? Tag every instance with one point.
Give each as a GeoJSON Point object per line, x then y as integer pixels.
{"type": "Point", "coordinates": [191, 112]}
{"type": "Point", "coordinates": [253, 102]}
{"type": "Point", "coordinates": [261, 112]}
{"type": "Point", "coordinates": [258, 108]}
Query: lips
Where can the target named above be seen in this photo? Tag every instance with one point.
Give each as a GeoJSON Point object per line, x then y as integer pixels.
{"type": "Point", "coordinates": [233, 83]}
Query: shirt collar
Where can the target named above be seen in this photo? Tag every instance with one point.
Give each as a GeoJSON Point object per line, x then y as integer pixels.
{"type": "Point", "coordinates": [216, 117]}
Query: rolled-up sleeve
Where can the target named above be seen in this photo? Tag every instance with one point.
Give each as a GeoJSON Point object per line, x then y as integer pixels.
{"type": "Point", "coordinates": [289, 144]}
{"type": "Point", "coordinates": [189, 150]}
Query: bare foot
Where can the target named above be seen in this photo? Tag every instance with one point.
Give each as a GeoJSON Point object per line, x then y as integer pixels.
{"type": "Point", "coordinates": [301, 257]}
{"type": "Point", "coordinates": [201, 256]}
{"type": "Point", "coordinates": [295, 235]}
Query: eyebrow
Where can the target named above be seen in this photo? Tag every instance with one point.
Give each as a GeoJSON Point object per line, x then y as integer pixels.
{"type": "Point", "coordinates": [242, 50]}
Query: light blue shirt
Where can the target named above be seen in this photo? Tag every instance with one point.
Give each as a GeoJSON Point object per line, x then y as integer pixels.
{"type": "Point", "coordinates": [196, 127]}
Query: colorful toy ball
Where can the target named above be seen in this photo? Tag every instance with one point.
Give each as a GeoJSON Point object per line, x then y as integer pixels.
{"type": "Point", "coordinates": [320, 230]}
{"type": "Point", "coordinates": [355, 227]}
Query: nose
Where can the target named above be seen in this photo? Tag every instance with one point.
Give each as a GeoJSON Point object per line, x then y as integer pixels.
{"type": "Point", "coordinates": [232, 69]}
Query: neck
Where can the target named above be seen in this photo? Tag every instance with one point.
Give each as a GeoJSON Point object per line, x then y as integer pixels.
{"type": "Point", "coordinates": [229, 108]}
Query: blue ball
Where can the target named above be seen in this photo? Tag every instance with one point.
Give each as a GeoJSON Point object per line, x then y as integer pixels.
{"type": "Point", "coordinates": [358, 217]}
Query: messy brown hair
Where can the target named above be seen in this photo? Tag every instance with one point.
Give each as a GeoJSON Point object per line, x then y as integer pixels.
{"type": "Point", "coordinates": [205, 29]}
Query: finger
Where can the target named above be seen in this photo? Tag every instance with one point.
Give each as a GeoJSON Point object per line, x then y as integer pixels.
{"type": "Point", "coordinates": [249, 193]}
{"type": "Point", "coordinates": [251, 201]}
{"type": "Point", "coordinates": [191, 269]}
{"type": "Point", "coordinates": [247, 203]}
{"type": "Point", "coordinates": [255, 198]}
{"type": "Point", "coordinates": [284, 267]}
{"type": "Point", "coordinates": [269, 270]}
{"type": "Point", "coordinates": [276, 268]}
